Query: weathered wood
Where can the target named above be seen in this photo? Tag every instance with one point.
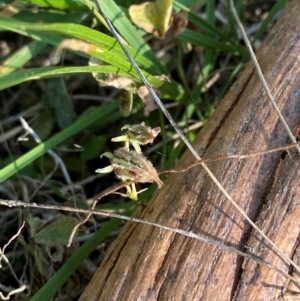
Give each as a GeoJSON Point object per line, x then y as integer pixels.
{"type": "Point", "coordinates": [279, 219]}
{"type": "Point", "coordinates": [146, 263]}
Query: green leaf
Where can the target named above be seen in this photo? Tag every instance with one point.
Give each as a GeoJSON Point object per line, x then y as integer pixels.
{"type": "Point", "coordinates": [58, 98]}
{"type": "Point", "coordinates": [57, 232]}
{"type": "Point", "coordinates": [94, 146]}
{"type": "Point", "coordinates": [34, 223]}
{"type": "Point", "coordinates": [22, 76]}
{"type": "Point", "coordinates": [128, 31]}
{"type": "Point", "coordinates": [152, 17]}
{"type": "Point", "coordinates": [52, 34]}
{"type": "Point", "coordinates": [47, 16]}
{"type": "Point", "coordinates": [59, 4]}
{"type": "Point", "coordinates": [21, 56]}
{"type": "Point", "coordinates": [168, 90]}
{"type": "Point", "coordinates": [208, 42]}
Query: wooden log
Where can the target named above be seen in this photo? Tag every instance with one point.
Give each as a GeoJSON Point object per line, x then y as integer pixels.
{"type": "Point", "coordinates": [147, 263]}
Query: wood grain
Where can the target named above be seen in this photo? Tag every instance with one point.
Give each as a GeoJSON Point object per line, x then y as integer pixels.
{"type": "Point", "coordinates": [146, 263]}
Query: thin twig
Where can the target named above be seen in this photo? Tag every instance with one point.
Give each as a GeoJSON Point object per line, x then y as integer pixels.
{"type": "Point", "coordinates": [225, 157]}
{"type": "Point", "coordinates": [2, 255]}
{"type": "Point", "coordinates": [261, 76]}
{"type": "Point", "coordinates": [32, 110]}
{"type": "Point", "coordinates": [12, 291]}
{"type": "Point", "coordinates": [12, 203]}
{"type": "Point", "coordinates": [175, 136]}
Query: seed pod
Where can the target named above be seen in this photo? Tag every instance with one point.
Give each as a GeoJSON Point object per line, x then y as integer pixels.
{"type": "Point", "coordinates": [131, 166]}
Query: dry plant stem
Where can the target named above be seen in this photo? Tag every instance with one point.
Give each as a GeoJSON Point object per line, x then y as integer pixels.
{"type": "Point", "coordinates": [227, 157]}
{"type": "Point", "coordinates": [10, 133]}
{"type": "Point", "coordinates": [13, 203]}
{"type": "Point", "coordinates": [156, 146]}
{"type": "Point", "coordinates": [31, 111]}
{"type": "Point", "coordinates": [2, 251]}
{"type": "Point", "coordinates": [261, 76]}
{"type": "Point", "coordinates": [187, 143]}
{"type": "Point", "coordinates": [2, 256]}
{"type": "Point", "coordinates": [12, 292]}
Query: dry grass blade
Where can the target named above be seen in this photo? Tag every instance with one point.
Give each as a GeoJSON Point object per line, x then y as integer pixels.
{"type": "Point", "coordinates": [227, 157]}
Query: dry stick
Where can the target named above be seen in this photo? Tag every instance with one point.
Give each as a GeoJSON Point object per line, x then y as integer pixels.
{"type": "Point", "coordinates": [261, 76]}
{"type": "Point", "coordinates": [2, 251]}
{"type": "Point", "coordinates": [12, 292]}
{"type": "Point", "coordinates": [13, 203]}
{"type": "Point", "coordinates": [187, 143]}
{"type": "Point", "coordinates": [2, 256]}
{"type": "Point", "coordinates": [224, 157]}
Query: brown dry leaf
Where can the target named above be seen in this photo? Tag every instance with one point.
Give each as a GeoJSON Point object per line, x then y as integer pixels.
{"type": "Point", "coordinates": [74, 44]}
{"type": "Point", "coordinates": [148, 100]}
{"type": "Point", "coordinates": [178, 24]}
{"type": "Point", "coordinates": [125, 103]}
{"type": "Point", "coordinates": [118, 82]}
{"type": "Point", "coordinates": [112, 80]}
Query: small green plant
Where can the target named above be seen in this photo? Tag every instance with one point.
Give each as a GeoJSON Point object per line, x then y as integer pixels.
{"type": "Point", "coordinates": [132, 165]}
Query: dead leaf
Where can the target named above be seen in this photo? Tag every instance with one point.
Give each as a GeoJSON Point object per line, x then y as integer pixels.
{"type": "Point", "coordinates": [112, 80]}
{"type": "Point", "coordinates": [178, 24]}
{"type": "Point", "coordinates": [125, 103]}
{"type": "Point", "coordinates": [148, 100]}
{"type": "Point", "coordinates": [74, 44]}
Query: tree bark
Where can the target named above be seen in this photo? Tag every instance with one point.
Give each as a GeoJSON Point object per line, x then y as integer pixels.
{"type": "Point", "coordinates": [147, 263]}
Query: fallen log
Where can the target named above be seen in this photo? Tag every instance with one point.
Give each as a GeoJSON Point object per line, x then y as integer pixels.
{"type": "Point", "coordinates": [148, 263]}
